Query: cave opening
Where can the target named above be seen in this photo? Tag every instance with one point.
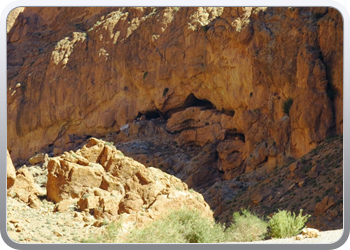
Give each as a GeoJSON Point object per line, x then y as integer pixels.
{"type": "Point", "coordinates": [149, 115]}
{"type": "Point", "coordinates": [234, 135]}
{"type": "Point", "coordinates": [191, 101]}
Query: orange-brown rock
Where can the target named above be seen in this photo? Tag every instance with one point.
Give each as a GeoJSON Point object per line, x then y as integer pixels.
{"type": "Point", "coordinates": [259, 195]}
{"type": "Point", "coordinates": [243, 62]}
{"type": "Point", "coordinates": [24, 186]}
{"type": "Point", "coordinates": [323, 205]}
{"type": "Point", "coordinates": [198, 92]}
{"type": "Point", "coordinates": [11, 171]}
{"type": "Point", "coordinates": [113, 184]}
{"type": "Point", "coordinates": [38, 158]}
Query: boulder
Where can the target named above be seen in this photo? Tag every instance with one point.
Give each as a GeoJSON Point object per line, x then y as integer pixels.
{"type": "Point", "coordinates": [11, 172]}
{"type": "Point", "coordinates": [24, 186]}
{"type": "Point", "coordinates": [308, 233]}
{"type": "Point", "coordinates": [311, 232]}
{"type": "Point", "coordinates": [62, 206]}
{"type": "Point", "coordinates": [36, 159]}
{"type": "Point", "coordinates": [34, 201]}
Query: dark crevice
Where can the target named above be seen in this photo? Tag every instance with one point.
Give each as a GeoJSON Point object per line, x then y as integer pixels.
{"type": "Point", "coordinates": [234, 135]}
{"type": "Point", "coordinates": [264, 161]}
{"type": "Point", "coordinates": [149, 115]}
{"type": "Point", "coordinates": [191, 101]}
{"type": "Point", "coordinates": [216, 156]}
{"type": "Point", "coordinates": [228, 112]}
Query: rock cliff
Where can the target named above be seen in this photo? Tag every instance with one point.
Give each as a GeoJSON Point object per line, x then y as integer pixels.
{"type": "Point", "coordinates": [210, 95]}
{"type": "Point", "coordinates": [88, 71]}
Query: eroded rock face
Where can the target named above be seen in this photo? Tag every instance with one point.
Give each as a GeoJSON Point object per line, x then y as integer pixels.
{"type": "Point", "coordinates": [106, 182]}
{"type": "Point", "coordinates": [92, 70]}
{"type": "Point", "coordinates": [196, 92]}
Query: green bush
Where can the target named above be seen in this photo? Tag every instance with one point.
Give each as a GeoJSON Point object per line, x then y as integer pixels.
{"type": "Point", "coordinates": [180, 226]}
{"type": "Point", "coordinates": [286, 105]}
{"type": "Point", "coordinates": [189, 226]}
{"type": "Point", "coordinates": [246, 227]}
{"type": "Point", "coordinates": [285, 224]}
{"type": "Point", "coordinates": [109, 236]}
{"type": "Point", "coordinates": [165, 91]}
{"type": "Point", "coordinates": [145, 74]}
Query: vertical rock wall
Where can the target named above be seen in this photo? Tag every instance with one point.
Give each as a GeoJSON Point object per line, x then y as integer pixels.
{"type": "Point", "coordinates": [75, 72]}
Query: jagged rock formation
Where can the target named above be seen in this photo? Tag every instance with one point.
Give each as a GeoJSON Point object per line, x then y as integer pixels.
{"type": "Point", "coordinates": [98, 179]}
{"type": "Point", "coordinates": [218, 97]}
{"type": "Point", "coordinates": [108, 183]}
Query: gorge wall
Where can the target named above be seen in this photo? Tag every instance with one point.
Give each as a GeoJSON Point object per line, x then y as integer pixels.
{"type": "Point", "coordinates": [89, 71]}
{"type": "Point", "coordinates": [226, 99]}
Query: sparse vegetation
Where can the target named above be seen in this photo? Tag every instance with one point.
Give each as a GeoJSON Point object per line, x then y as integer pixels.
{"type": "Point", "coordinates": [285, 224]}
{"type": "Point", "coordinates": [110, 235]}
{"type": "Point", "coordinates": [145, 74]}
{"type": "Point", "coordinates": [246, 227]}
{"type": "Point", "coordinates": [190, 226]}
{"type": "Point", "coordinates": [181, 226]}
{"type": "Point", "coordinates": [111, 144]}
{"type": "Point", "coordinates": [154, 11]}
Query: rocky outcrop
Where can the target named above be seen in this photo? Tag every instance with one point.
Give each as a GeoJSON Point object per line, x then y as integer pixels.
{"type": "Point", "coordinates": [25, 188]}
{"type": "Point", "coordinates": [11, 18]}
{"type": "Point", "coordinates": [108, 184]}
{"type": "Point", "coordinates": [312, 183]}
{"type": "Point", "coordinates": [107, 67]}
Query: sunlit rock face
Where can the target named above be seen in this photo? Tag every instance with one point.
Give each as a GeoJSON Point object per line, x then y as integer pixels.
{"type": "Point", "coordinates": [213, 74]}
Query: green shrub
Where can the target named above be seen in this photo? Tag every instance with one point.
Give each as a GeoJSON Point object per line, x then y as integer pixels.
{"type": "Point", "coordinates": [285, 224]}
{"type": "Point", "coordinates": [145, 74]}
{"type": "Point", "coordinates": [165, 91]}
{"type": "Point", "coordinates": [246, 227]}
{"type": "Point", "coordinates": [111, 144]}
{"type": "Point", "coordinates": [286, 105]}
{"type": "Point", "coordinates": [109, 236]}
{"type": "Point", "coordinates": [180, 226]}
